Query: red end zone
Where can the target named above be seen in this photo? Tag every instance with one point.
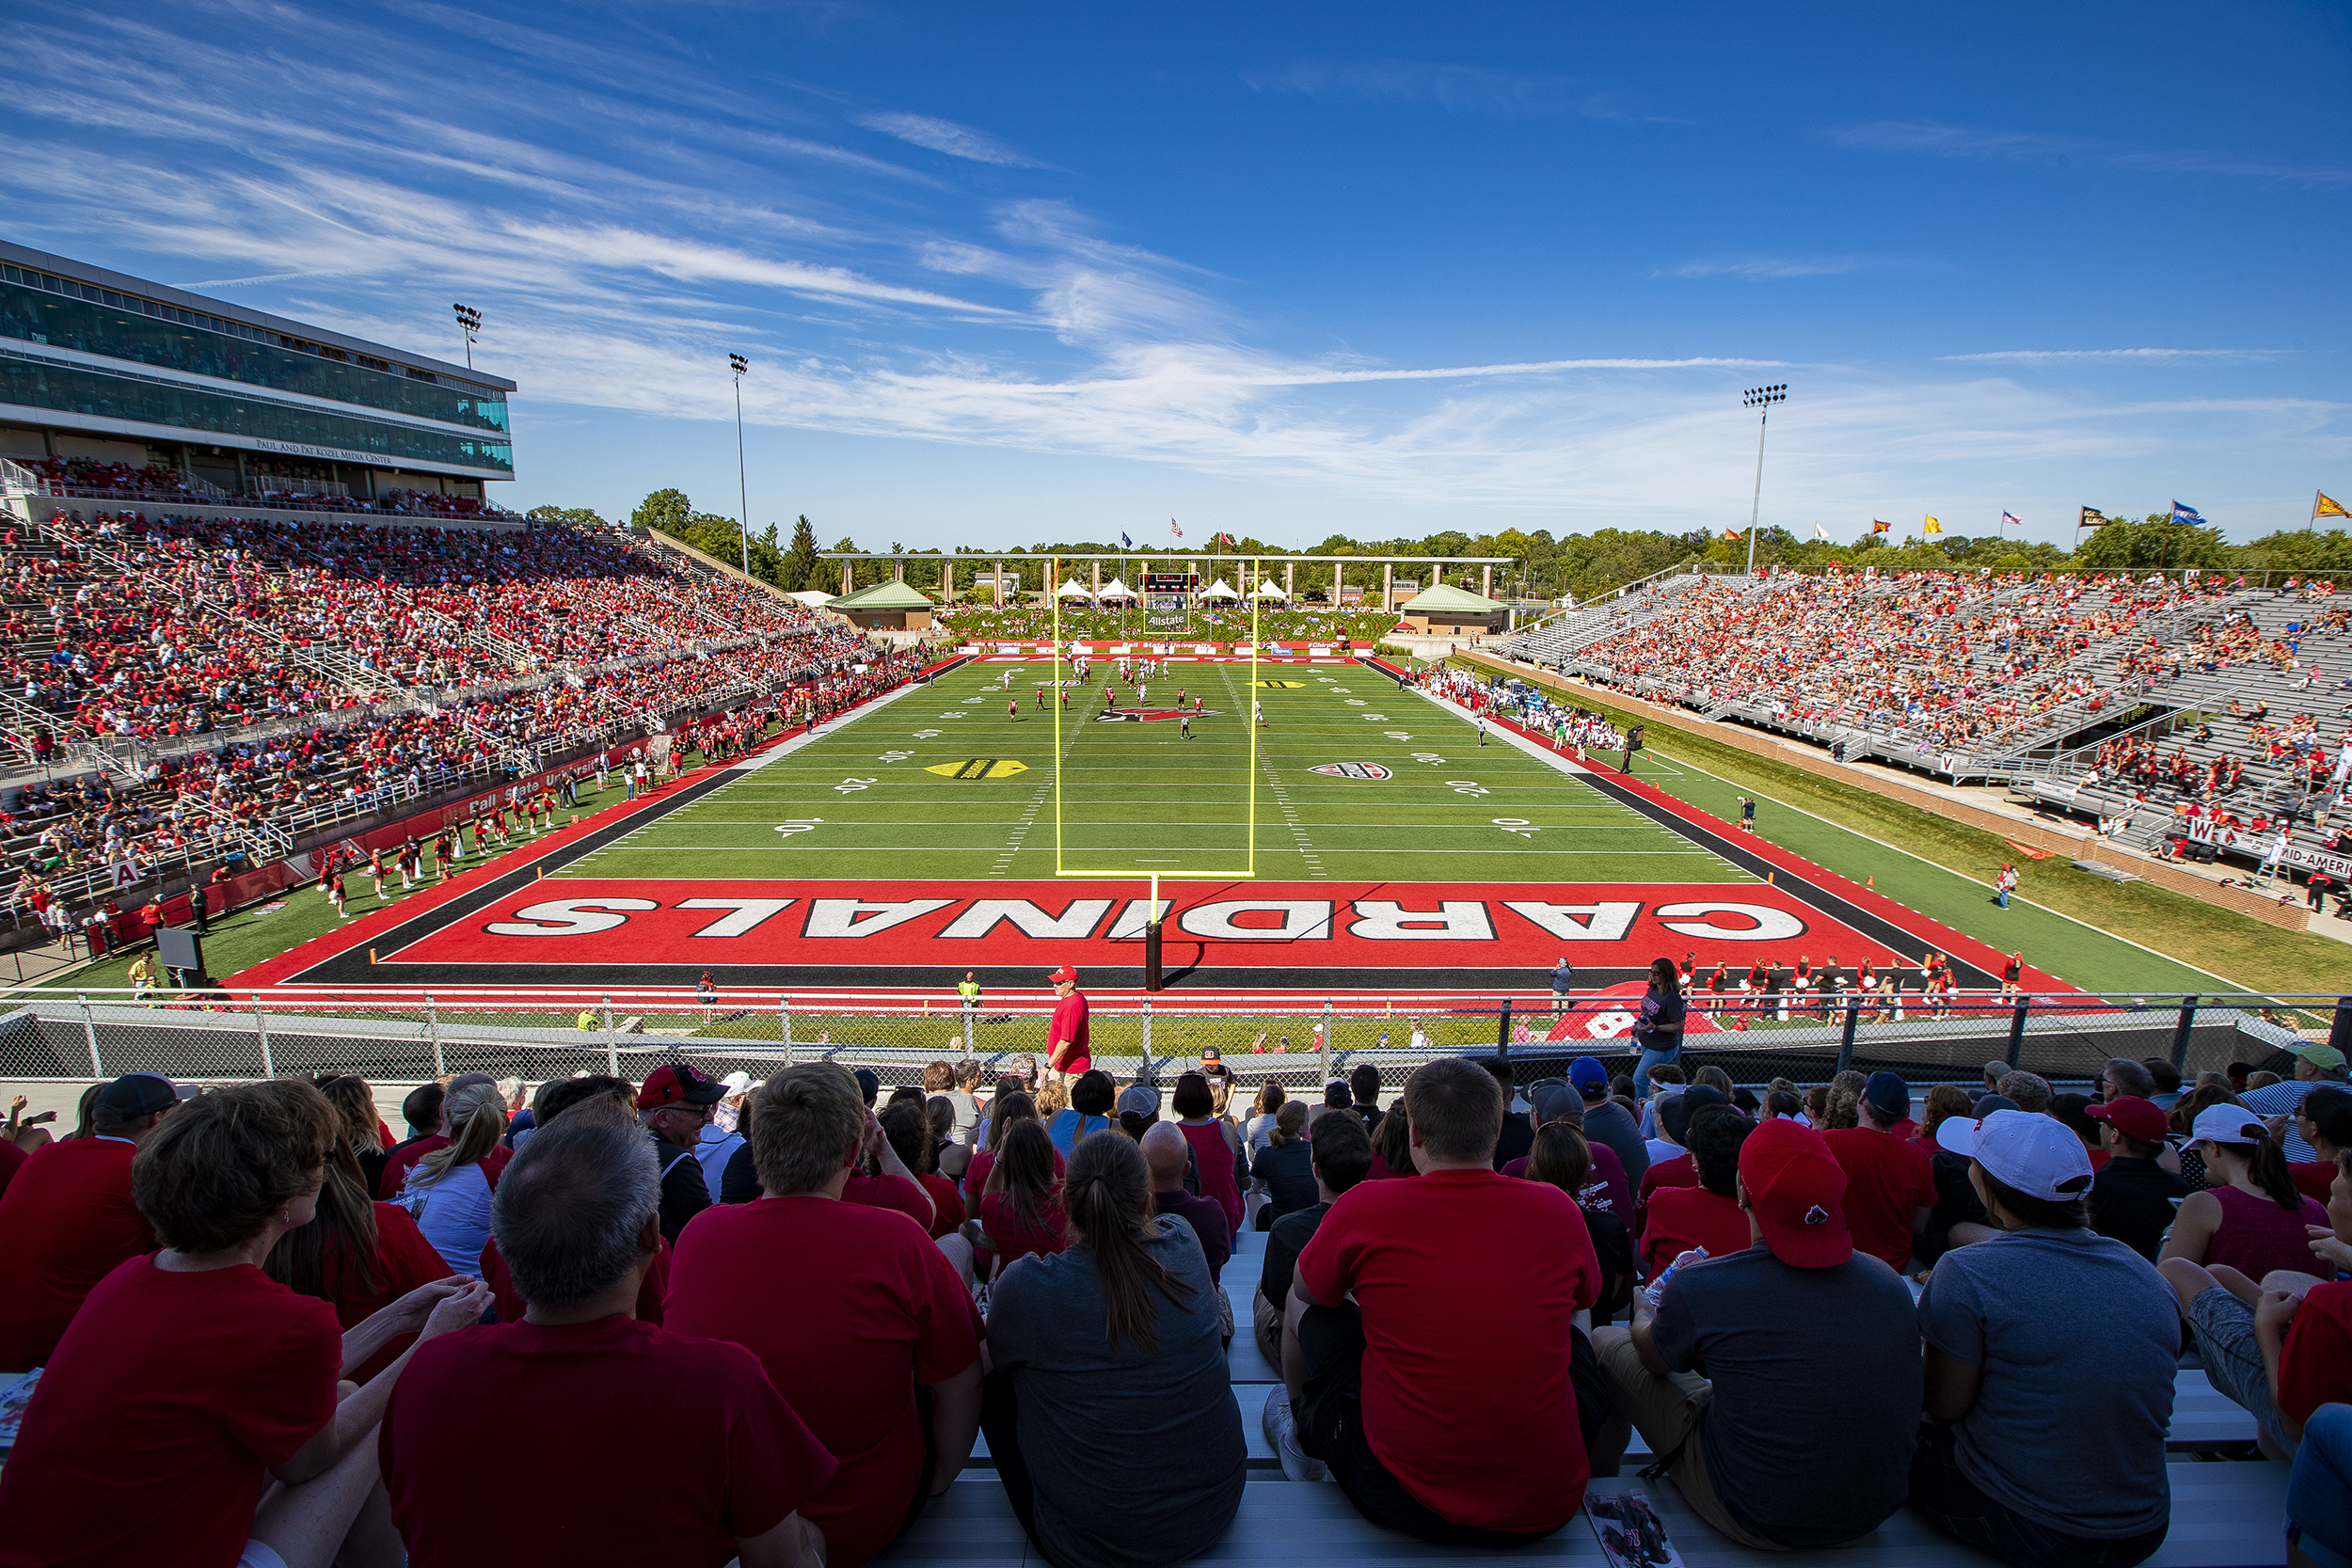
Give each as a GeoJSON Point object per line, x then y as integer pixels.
{"type": "Point", "coordinates": [1363, 926]}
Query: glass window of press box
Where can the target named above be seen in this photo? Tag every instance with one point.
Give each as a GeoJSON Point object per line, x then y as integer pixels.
{"type": "Point", "coordinates": [41, 307]}
{"type": "Point", "coordinates": [36, 383]}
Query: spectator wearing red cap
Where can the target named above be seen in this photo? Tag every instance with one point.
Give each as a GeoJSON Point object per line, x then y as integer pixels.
{"type": "Point", "coordinates": [1439, 1386]}
{"type": "Point", "coordinates": [2132, 1196]}
{"type": "Point", "coordinates": [1067, 1051]}
{"type": "Point", "coordinates": [850, 1308]}
{"type": "Point", "coordinates": [1799, 1434]}
{"type": "Point", "coordinates": [577, 1220]}
{"type": "Point", "coordinates": [2018, 1462]}
{"type": "Point", "coordinates": [68, 1221]}
{"type": "Point", "coordinates": [2249, 1215]}
{"type": "Point", "coordinates": [1890, 1183]}
{"type": "Point", "coordinates": [674, 1105]}
{"type": "Point", "coordinates": [190, 1379]}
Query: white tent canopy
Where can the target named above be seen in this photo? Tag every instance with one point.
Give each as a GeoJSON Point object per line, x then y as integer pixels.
{"type": "Point", "coordinates": [1266, 590]}
{"type": "Point", "coordinates": [1218, 590]}
{"type": "Point", "coordinates": [815, 598]}
{"type": "Point", "coordinates": [1115, 589]}
{"type": "Point", "coordinates": [1073, 589]}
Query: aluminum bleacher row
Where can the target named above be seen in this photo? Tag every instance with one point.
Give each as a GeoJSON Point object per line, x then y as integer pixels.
{"type": "Point", "coordinates": [2226, 1509]}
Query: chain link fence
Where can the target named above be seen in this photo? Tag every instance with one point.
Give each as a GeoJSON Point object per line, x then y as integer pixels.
{"type": "Point", "coordinates": [390, 1035]}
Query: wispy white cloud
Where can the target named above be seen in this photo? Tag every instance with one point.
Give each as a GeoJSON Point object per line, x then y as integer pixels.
{"type": "Point", "coordinates": [1757, 268]}
{"type": "Point", "coordinates": [1459, 88]}
{"type": "Point", "coordinates": [945, 135]}
{"type": "Point", "coordinates": [2152, 355]}
{"type": "Point", "coordinates": [626, 216]}
{"type": "Point", "coordinates": [1937, 139]}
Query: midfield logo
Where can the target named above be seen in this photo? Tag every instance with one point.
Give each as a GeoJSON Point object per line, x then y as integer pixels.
{"type": "Point", "coordinates": [1352, 771]}
{"type": "Point", "coordinates": [1150, 715]}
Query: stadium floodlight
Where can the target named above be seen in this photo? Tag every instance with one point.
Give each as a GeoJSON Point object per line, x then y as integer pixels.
{"type": "Point", "coordinates": [742, 367]}
{"type": "Point", "coordinates": [470, 323]}
{"type": "Point", "coordinates": [1761, 399]}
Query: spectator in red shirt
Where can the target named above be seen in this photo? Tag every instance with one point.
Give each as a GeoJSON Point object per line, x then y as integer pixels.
{"type": "Point", "coordinates": [1674, 1114]}
{"type": "Point", "coordinates": [1890, 1183]}
{"type": "Point", "coordinates": [907, 1126]}
{"type": "Point", "coordinates": [1021, 1208]}
{"type": "Point", "coordinates": [578, 1219]}
{"type": "Point", "coordinates": [1067, 1051]}
{"type": "Point", "coordinates": [67, 1220]}
{"type": "Point", "coordinates": [1708, 1215]}
{"type": "Point", "coordinates": [849, 1307]}
{"type": "Point", "coordinates": [189, 1379]}
{"type": "Point", "coordinates": [554, 1100]}
{"type": "Point", "coordinates": [1442, 1395]}
{"type": "Point", "coordinates": [421, 1111]}
{"type": "Point", "coordinates": [356, 1255]}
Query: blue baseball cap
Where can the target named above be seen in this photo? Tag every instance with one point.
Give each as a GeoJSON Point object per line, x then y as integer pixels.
{"type": "Point", "coordinates": [1586, 1072]}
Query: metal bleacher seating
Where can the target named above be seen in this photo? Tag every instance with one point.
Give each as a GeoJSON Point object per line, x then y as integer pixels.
{"type": "Point", "coordinates": [2227, 1513]}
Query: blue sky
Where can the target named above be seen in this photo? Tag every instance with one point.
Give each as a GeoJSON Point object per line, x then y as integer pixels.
{"type": "Point", "coordinates": [1010, 274]}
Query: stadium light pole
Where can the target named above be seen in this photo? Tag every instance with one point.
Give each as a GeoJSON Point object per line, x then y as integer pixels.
{"type": "Point", "coordinates": [742, 484]}
{"type": "Point", "coordinates": [1761, 399]}
{"type": "Point", "coordinates": [469, 325]}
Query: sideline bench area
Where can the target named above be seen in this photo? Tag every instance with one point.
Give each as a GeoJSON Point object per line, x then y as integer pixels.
{"type": "Point", "coordinates": [2227, 1512]}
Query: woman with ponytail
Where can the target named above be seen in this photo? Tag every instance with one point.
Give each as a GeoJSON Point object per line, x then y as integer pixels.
{"type": "Point", "coordinates": [1107, 1365]}
{"type": "Point", "coordinates": [448, 1192]}
{"type": "Point", "coordinates": [2250, 1216]}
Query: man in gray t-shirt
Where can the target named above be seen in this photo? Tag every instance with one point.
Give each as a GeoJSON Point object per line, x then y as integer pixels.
{"type": "Point", "coordinates": [1800, 1434]}
{"type": "Point", "coordinates": [2051, 1352]}
{"type": "Point", "coordinates": [1608, 1122]}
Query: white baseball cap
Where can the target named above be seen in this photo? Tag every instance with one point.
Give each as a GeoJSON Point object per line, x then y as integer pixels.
{"type": "Point", "coordinates": [736, 1081]}
{"type": "Point", "coordinates": [2227, 1124]}
{"type": "Point", "coordinates": [2030, 1153]}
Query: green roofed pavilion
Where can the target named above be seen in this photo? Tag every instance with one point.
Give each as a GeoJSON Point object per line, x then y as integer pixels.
{"type": "Point", "coordinates": [886, 607]}
{"type": "Point", "coordinates": [1451, 612]}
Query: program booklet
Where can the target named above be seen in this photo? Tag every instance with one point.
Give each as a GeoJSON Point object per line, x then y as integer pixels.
{"type": "Point", "coordinates": [1629, 1529]}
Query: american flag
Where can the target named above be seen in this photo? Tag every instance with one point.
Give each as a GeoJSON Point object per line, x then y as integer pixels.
{"type": "Point", "coordinates": [2011, 519]}
{"type": "Point", "coordinates": [1174, 529]}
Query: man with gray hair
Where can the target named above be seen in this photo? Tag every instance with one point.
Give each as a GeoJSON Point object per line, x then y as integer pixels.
{"type": "Point", "coordinates": [850, 1306]}
{"type": "Point", "coordinates": [2031, 1091]}
{"type": "Point", "coordinates": [576, 1216]}
{"type": "Point", "coordinates": [2122, 1077]}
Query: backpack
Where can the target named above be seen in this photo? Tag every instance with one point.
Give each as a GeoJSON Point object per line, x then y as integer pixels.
{"type": "Point", "coordinates": [1612, 1244]}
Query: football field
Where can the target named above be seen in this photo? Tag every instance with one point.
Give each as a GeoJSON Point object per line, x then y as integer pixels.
{"type": "Point", "coordinates": [1291, 826]}
{"type": "Point", "coordinates": [1354, 780]}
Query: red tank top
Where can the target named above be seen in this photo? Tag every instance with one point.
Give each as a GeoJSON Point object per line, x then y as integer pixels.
{"type": "Point", "coordinates": [2257, 1236]}
{"type": "Point", "coordinates": [1215, 1157]}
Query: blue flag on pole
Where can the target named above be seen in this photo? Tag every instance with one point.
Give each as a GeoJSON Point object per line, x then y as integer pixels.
{"type": "Point", "coordinates": [1125, 543]}
{"type": "Point", "coordinates": [2187, 514]}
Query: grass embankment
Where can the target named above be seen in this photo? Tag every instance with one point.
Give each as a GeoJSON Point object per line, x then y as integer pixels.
{"type": "Point", "coordinates": [1862, 835]}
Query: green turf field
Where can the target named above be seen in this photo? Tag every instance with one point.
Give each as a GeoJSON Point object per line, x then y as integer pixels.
{"type": "Point", "coordinates": [943, 784]}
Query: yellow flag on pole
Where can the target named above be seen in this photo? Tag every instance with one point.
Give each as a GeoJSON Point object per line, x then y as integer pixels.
{"type": "Point", "coordinates": [2322, 507]}
{"type": "Point", "coordinates": [1934, 527]}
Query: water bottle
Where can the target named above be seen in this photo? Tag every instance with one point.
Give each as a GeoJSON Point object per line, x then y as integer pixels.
{"type": "Point", "coordinates": [1657, 1287]}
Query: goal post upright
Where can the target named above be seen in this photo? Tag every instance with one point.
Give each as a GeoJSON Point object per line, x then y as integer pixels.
{"type": "Point", "coordinates": [1250, 862]}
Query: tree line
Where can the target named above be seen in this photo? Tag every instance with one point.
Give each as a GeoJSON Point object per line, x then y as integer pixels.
{"type": "Point", "coordinates": [1541, 565]}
